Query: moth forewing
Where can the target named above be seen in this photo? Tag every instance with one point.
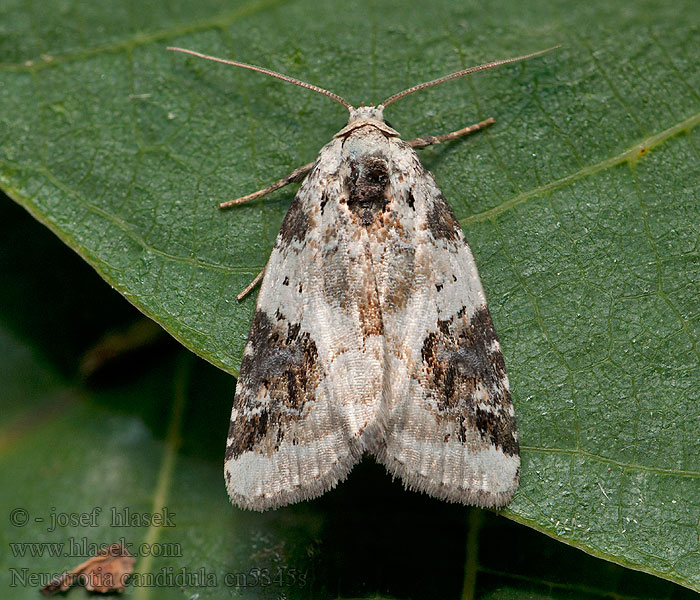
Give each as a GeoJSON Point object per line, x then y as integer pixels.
{"type": "Point", "coordinates": [371, 332]}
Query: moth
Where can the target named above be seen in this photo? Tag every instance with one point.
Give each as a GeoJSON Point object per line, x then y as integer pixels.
{"type": "Point", "coordinates": [371, 333]}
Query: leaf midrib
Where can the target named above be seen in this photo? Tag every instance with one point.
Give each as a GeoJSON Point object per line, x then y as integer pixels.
{"type": "Point", "coordinates": [630, 155]}
{"type": "Point", "coordinates": [627, 466]}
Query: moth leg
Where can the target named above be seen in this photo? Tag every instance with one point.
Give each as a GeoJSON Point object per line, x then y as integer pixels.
{"type": "Point", "coordinates": [251, 285]}
{"type": "Point", "coordinates": [294, 177]}
{"type": "Point", "coordinates": [429, 140]}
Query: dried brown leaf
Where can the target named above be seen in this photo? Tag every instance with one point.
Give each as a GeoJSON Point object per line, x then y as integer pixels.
{"type": "Point", "coordinates": [103, 573]}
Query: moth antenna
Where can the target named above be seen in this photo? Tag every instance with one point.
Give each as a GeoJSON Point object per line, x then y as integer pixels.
{"type": "Point", "coordinates": [286, 78]}
{"type": "Point", "coordinates": [457, 74]}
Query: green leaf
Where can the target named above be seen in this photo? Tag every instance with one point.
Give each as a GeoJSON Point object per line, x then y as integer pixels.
{"type": "Point", "coordinates": [581, 206]}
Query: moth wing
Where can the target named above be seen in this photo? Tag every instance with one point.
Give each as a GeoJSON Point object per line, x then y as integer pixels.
{"type": "Point", "coordinates": [451, 428]}
{"type": "Point", "coordinates": [309, 387]}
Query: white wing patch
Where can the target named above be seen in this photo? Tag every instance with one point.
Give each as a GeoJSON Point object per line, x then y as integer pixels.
{"type": "Point", "coordinates": [371, 335]}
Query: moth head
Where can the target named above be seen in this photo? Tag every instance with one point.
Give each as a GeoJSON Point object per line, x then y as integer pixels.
{"type": "Point", "coordinates": [366, 113]}
{"type": "Point", "coordinates": [364, 116]}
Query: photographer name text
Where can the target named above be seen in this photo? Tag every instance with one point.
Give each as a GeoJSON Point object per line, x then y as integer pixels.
{"type": "Point", "coordinates": [115, 517]}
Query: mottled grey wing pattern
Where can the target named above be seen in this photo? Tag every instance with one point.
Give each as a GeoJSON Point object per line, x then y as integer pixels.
{"type": "Point", "coordinates": [451, 430]}
{"type": "Point", "coordinates": [310, 383]}
{"type": "Point", "coordinates": [371, 334]}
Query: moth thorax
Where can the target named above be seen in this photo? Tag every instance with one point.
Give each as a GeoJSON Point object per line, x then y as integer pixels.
{"type": "Point", "coordinates": [367, 183]}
